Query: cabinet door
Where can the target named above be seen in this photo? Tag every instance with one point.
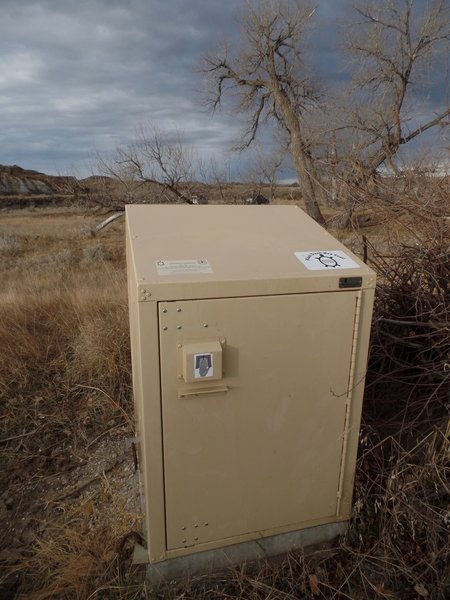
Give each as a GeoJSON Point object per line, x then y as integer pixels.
{"type": "Point", "coordinates": [260, 449]}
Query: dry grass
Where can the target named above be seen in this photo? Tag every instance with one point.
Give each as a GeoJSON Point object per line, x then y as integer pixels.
{"type": "Point", "coordinates": [68, 508]}
{"type": "Point", "coordinates": [78, 555]}
{"type": "Point", "coordinates": [61, 330]}
{"type": "Point", "coordinates": [64, 384]}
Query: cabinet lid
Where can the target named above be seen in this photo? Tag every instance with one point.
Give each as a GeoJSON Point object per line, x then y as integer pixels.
{"type": "Point", "coordinates": [183, 251]}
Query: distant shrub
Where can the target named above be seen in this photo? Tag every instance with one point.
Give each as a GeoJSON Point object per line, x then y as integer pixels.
{"type": "Point", "coordinates": [85, 231]}
{"type": "Point", "coordinates": [96, 253]}
{"type": "Point", "coordinates": [9, 244]}
{"type": "Point", "coordinates": [64, 257]}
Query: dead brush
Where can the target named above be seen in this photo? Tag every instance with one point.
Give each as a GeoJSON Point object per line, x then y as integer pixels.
{"type": "Point", "coordinates": [410, 349]}
{"type": "Point", "coordinates": [398, 540]}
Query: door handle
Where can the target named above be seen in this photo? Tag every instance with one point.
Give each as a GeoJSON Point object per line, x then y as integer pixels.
{"type": "Point", "coordinates": [222, 389]}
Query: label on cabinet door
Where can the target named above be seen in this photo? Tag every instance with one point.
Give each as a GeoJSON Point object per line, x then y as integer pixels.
{"type": "Point", "coordinates": [203, 365]}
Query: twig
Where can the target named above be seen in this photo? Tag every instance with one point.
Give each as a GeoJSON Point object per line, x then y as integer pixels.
{"type": "Point", "coordinates": [105, 433]}
{"type": "Point", "coordinates": [274, 592]}
{"type": "Point", "coordinates": [116, 404]}
{"type": "Point", "coordinates": [17, 437]}
{"type": "Point", "coordinates": [135, 456]}
{"type": "Point", "coordinates": [85, 484]}
{"type": "Point", "coordinates": [410, 323]}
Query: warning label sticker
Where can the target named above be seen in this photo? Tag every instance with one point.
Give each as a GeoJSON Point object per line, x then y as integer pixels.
{"type": "Point", "coordinates": [183, 267]}
{"type": "Point", "coordinates": [320, 260]}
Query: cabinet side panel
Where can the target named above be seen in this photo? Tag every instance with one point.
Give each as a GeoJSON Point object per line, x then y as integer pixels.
{"type": "Point", "coordinates": [146, 391]}
{"type": "Point", "coordinates": [134, 324]}
{"type": "Point", "coordinates": [148, 399]}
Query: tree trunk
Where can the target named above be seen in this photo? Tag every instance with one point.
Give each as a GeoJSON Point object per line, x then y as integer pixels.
{"type": "Point", "coordinates": [298, 151]}
{"type": "Point", "coordinates": [305, 179]}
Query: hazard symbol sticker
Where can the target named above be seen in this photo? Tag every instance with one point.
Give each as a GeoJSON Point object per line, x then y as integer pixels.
{"type": "Point", "coordinates": [322, 260]}
{"type": "Point", "coordinates": [203, 365]}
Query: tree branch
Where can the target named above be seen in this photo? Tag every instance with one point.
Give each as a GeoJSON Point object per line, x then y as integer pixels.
{"type": "Point", "coordinates": [439, 120]}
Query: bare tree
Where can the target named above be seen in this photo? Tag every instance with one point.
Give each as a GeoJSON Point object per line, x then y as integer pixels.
{"type": "Point", "coordinates": [270, 80]}
{"type": "Point", "coordinates": [154, 161]}
{"type": "Point", "coordinates": [263, 168]}
{"type": "Point", "coordinates": [155, 167]}
{"type": "Point", "coordinates": [393, 42]}
{"type": "Point", "coordinates": [219, 174]}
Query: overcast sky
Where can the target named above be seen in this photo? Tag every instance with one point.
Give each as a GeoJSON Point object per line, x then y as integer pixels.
{"type": "Point", "coordinates": [79, 76]}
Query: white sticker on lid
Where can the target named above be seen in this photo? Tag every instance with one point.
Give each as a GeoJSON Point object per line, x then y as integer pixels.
{"type": "Point", "coordinates": [183, 267]}
{"type": "Point", "coordinates": [321, 260]}
{"type": "Point", "coordinates": [203, 365]}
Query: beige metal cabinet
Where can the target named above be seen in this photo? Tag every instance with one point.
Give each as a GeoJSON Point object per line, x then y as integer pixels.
{"type": "Point", "coordinates": [249, 330]}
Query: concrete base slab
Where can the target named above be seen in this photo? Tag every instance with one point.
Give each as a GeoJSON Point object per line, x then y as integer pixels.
{"type": "Point", "coordinates": [219, 559]}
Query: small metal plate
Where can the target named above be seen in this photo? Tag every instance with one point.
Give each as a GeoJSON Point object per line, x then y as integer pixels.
{"type": "Point", "coordinates": [350, 282]}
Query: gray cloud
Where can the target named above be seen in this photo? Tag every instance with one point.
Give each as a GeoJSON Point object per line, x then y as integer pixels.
{"type": "Point", "coordinates": [83, 75]}
{"type": "Point", "coordinates": [79, 75]}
